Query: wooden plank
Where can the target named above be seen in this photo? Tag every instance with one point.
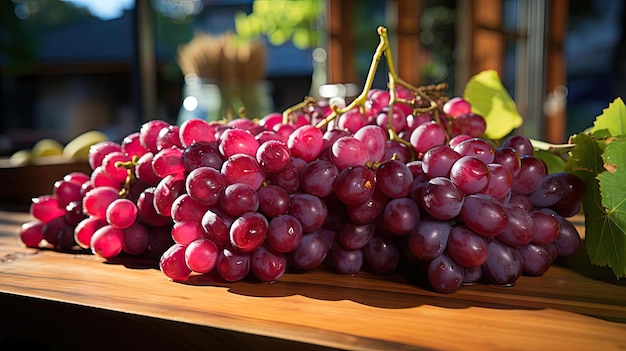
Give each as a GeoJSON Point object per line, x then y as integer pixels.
{"type": "Point", "coordinates": [573, 306]}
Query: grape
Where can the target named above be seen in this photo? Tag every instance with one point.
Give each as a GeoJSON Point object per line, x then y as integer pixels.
{"type": "Point", "coordinates": [131, 146]}
{"type": "Point", "coordinates": [74, 212]}
{"type": "Point", "coordinates": [394, 178]}
{"type": "Point", "coordinates": [99, 177]}
{"type": "Point", "coordinates": [45, 208]}
{"type": "Point", "coordinates": [354, 185]}
{"type": "Point", "coordinates": [397, 121]}
{"type": "Point", "coordinates": [205, 184]}
{"type": "Point", "coordinates": [66, 192]}
{"type": "Point", "coordinates": [216, 225]}
{"type": "Point", "coordinates": [429, 238]}
{"type": "Point", "coordinates": [476, 147]}
{"type": "Point", "coordinates": [500, 181]}
{"type": "Point", "coordinates": [195, 130]}
{"type": "Point", "coordinates": [401, 215]}
{"type": "Point", "coordinates": [509, 158]}
{"type": "Point", "coordinates": [354, 236]}
{"type": "Point", "coordinates": [536, 259]}
{"type": "Point", "coordinates": [549, 192]}
{"type": "Point", "coordinates": [521, 144]}
{"type": "Point", "coordinates": [107, 242]}
{"type": "Point", "coordinates": [352, 120]}
{"type": "Point", "coordinates": [97, 200]}
{"type": "Point", "coordinates": [504, 264]}
{"type": "Point", "coordinates": [381, 255]}
{"type": "Point", "coordinates": [202, 154]}
{"type": "Point", "coordinates": [184, 232]}
{"type": "Point", "coordinates": [289, 178]}
{"type": "Point", "coordinates": [347, 152]}
{"type": "Point", "coordinates": [318, 177]}
{"type": "Point", "coordinates": [438, 161]}
{"type": "Point", "coordinates": [98, 151]}
{"type": "Point", "coordinates": [546, 227]}
{"type": "Point", "coordinates": [172, 263]}
{"type": "Point", "coordinates": [466, 247]}
{"type": "Point", "coordinates": [248, 232]}
{"type": "Point", "coordinates": [484, 215]}
{"type": "Point", "coordinates": [270, 120]}
{"type": "Point", "coordinates": [201, 255]}
{"type": "Point", "coordinates": [568, 240]}
{"type": "Point", "coordinates": [470, 174]}
{"type": "Point", "coordinates": [52, 228]}
{"type": "Point", "coordinates": [85, 229]}
{"type": "Point", "coordinates": [520, 227]}
{"type": "Point", "coordinates": [169, 137]}
{"type": "Point", "coordinates": [441, 198]}
{"type": "Point", "coordinates": [273, 200]}
{"type": "Point", "coordinates": [168, 190]}
{"type": "Point", "coordinates": [186, 208]}
{"type": "Point", "coordinates": [121, 213]}
{"type": "Point", "coordinates": [239, 198]}
{"type": "Point", "coordinates": [267, 264]}
{"type": "Point", "coordinates": [136, 239]}
{"type": "Point", "coordinates": [368, 211]}
{"type": "Point", "coordinates": [456, 106]}
{"type": "Point", "coordinates": [470, 124]}
{"type": "Point", "coordinates": [309, 210]}
{"type": "Point", "coordinates": [243, 168]}
{"type": "Point", "coordinates": [273, 156]}
{"type": "Point", "coordinates": [427, 135]}
{"type": "Point", "coordinates": [149, 132]}
{"type": "Point", "coordinates": [311, 251]}
{"type": "Point", "coordinates": [306, 142]}
{"type": "Point", "coordinates": [373, 137]}
{"type": "Point", "coordinates": [233, 265]}
{"type": "Point", "coordinates": [237, 141]}
{"type": "Point", "coordinates": [144, 170]}
{"type": "Point", "coordinates": [284, 233]}
{"type": "Point", "coordinates": [573, 188]}
{"type": "Point", "coordinates": [168, 161]}
{"type": "Point", "coordinates": [445, 275]}
{"type": "Point", "coordinates": [346, 261]}
{"type": "Point", "coordinates": [31, 233]}
{"type": "Point", "coordinates": [397, 150]}
{"type": "Point", "coordinates": [147, 212]}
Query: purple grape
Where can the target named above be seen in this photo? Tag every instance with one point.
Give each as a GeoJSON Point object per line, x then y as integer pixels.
{"type": "Point", "coordinates": [438, 161]}
{"type": "Point", "coordinates": [466, 247]}
{"type": "Point", "coordinates": [394, 179]}
{"type": "Point", "coordinates": [470, 174]}
{"type": "Point", "coordinates": [273, 200]}
{"type": "Point", "coordinates": [441, 198]}
{"type": "Point", "coordinates": [205, 184]}
{"type": "Point", "coordinates": [504, 264]}
{"type": "Point", "coordinates": [354, 236]}
{"type": "Point", "coordinates": [381, 254]}
{"type": "Point", "coordinates": [248, 231]}
{"type": "Point", "coordinates": [202, 154]}
{"type": "Point", "coordinates": [284, 233]}
{"type": "Point", "coordinates": [243, 168]}
{"type": "Point", "coordinates": [401, 215]}
{"type": "Point", "coordinates": [484, 215]}
{"type": "Point", "coordinates": [232, 264]}
{"type": "Point", "coordinates": [346, 261]}
{"type": "Point", "coordinates": [355, 185]}
{"type": "Point", "coordinates": [445, 275]}
{"type": "Point", "coordinates": [429, 238]}
{"type": "Point", "coordinates": [267, 264]}
{"type": "Point", "coordinates": [318, 177]}
{"type": "Point", "coordinates": [309, 210]}
{"type": "Point", "coordinates": [239, 198]}
{"type": "Point", "coordinates": [311, 252]}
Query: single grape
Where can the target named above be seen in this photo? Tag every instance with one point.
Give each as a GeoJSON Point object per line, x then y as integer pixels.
{"type": "Point", "coordinates": [273, 156]}
{"type": "Point", "coordinates": [466, 247]}
{"type": "Point", "coordinates": [441, 198]}
{"type": "Point", "coordinates": [504, 264]}
{"type": "Point", "coordinates": [97, 200]}
{"type": "Point", "coordinates": [243, 168]}
{"type": "Point", "coordinates": [478, 147]}
{"type": "Point", "coordinates": [568, 240]}
{"type": "Point", "coordinates": [438, 161]}
{"type": "Point", "coordinates": [311, 252]}
{"type": "Point", "coordinates": [398, 151]}
{"type": "Point", "coordinates": [201, 255]}
{"type": "Point", "coordinates": [144, 170]}
{"type": "Point", "coordinates": [239, 198]}
{"type": "Point", "coordinates": [31, 233]}
{"type": "Point", "coordinates": [45, 208]}
{"type": "Point", "coordinates": [351, 120]}
{"type": "Point", "coordinates": [394, 179]}
{"type": "Point", "coordinates": [273, 200]}
{"type": "Point", "coordinates": [347, 152]}
{"type": "Point", "coordinates": [429, 238]}
{"type": "Point", "coordinates": [521, 144]}
{"type": "Point", "coordinates": [131, 146]}
{"type": "Point", "coordinates": [536, 259]}
{"type": "Point", "coordinates": [346, 261]}
{"type": "Point", "coordinates": [471, 124]}
{"type": "Point", "coordinates": [457, 106]}
{"type": "Point", "coordinates": [168, 190]}
{"type": "Point", "coordinates": [202, 154]}
{"type": "Point", "coordinates": [509, 158]}
{"type": "Point", "coordinates": [374, 138]}
{"type": "Point", "coordinates": [354, 236]}
{"type": "Point", "coordinates": [147, 212]}
{"type": "Point", "coordinates": [549, 192]}
{"type": "Point", "coordinates": [306, 142]}
{"type": "Point", "coordinates": [381, 254]}
{"type": "Point", "coordinates": [237, 141]}
{"type": "Point", "coordinates": [169, 137]}
{"type": "Point", "coordinates": [184, 232]}
{"type": "Point", "coordinates": [284, 233]}
{"type": "Point", "coordinates": [216, 225]}
{"type": "Point", "coordinates": [289, 178]}
{"type": "Point", "coordinates": [401, 215]}
{"type": "Point", "coordinates": [500, 181]}
{"type": "Point", "coordinates": [168, 161]}
{"type": "Point", "coordinates": [427, 135]}
{"type": "Point", "coordinates": [121, 213]}
{"type": "Point", "coordinates": [267, 264]}
{"type": "Point", "coordinates": [445, 275]}
{"type": "Point", "coordinates": [397, 122]}
{"type": "Point", "coordinates": [369, 210]}
{"type": "Point", "coordinates": [232, 264]}
{"type": "Point", "coordinates": [248, 231]}
{"type": "Point", "coordinates": [172, 263]}
{"type": "Point", "coordinates": [107, 242]}
{"type": "Point", "coordinates": [205, 184]}
{"type": "Point", "coordinates": [520, 228]}
{"type": "Point", "coordinates": [354, 185]}
{"type": "Point", "coordinates": [186, 208]}
{"type": "Point", "coordinates": [472, 275]}
{"type": "Point", "coordinates": [195, 130]}
{"type": "Point", "coordinates": [136, 239]}
{"type": "Point", "coordinates": [546, 227]}
{"type": "Point", "coordinates": [309, 210]}
{"type": "Point", "coordinates": [470, 174]}
{"type": "Point", "coordinates": [66, 192]}
{"type": "Point", "coordinates": [484, 215]}
{"type": "Point", "coordinates": [318, 177]}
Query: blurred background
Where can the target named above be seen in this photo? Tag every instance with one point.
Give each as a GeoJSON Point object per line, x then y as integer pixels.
{"type": "Point", "coordinates": [68, 66]}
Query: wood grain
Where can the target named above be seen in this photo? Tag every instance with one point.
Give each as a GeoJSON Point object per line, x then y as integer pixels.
{"type": "Point", "coordinates": [573, 306]}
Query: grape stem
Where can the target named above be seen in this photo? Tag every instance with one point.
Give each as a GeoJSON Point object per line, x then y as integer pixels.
{"type": "Point", "coordinates": [130, 174]}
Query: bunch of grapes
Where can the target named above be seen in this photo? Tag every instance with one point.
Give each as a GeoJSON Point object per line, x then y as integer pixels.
{"type": "Point", "coordinates": [401, 182]}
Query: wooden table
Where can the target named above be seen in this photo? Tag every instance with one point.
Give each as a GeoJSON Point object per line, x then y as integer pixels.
{"type": "Point", "coordinates": [77, 301]}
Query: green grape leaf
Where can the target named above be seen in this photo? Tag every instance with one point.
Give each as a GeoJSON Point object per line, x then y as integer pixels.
{"type": "Point", "coordinates": [612, 241]}
{"type": "Point", "coordinates": [612, 121]}
{"type": "Point", "coordinates": [490, 99]}
{"type": "Point", "coordinates": [604, 237]}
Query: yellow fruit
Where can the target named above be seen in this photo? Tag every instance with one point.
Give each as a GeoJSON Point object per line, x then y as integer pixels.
{"type": "Point", "coordinates": [20, 157]}
{"type": "Point", "coordinates": [78, 148]}
{"type": "Point", "coordinates": [46, 147]}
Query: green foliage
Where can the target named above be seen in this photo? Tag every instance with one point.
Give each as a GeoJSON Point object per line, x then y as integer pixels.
{"type": "Point", "coordinates": [490, 99]}
{"type": "Point", "coordinates": [599, 160]}
{"type": "Point", "coordinates": [281, 21]}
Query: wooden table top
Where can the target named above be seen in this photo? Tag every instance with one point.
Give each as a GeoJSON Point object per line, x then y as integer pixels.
{"type": "Point", "coordinates": [574, 306]}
